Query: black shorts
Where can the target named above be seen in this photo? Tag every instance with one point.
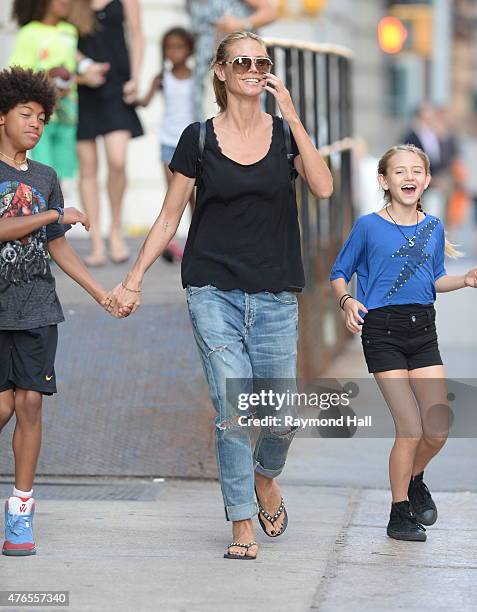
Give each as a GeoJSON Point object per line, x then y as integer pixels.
{"type": "Point", "coordinates": [401, 337]}
{"type": "Point", "coordinates": [27, 359]}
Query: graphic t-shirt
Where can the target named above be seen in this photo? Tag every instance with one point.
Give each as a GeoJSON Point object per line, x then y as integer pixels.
{"type": "Point", "coordinates": [388, 270]}
{"type": "Point", "coordinates": [27, 288]}
{"type": "Point", "coordinates": [42, 47]}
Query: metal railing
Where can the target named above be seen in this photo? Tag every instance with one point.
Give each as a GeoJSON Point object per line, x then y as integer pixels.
{"type": "Point", "coordinates": [318, 77]}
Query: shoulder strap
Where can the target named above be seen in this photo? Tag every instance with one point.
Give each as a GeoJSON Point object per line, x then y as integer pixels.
{"type": "Point", "coordinates": [201, 141]}
{"type": "Point", "coordinates": [288, 145]}
{"type": "Point", "coordinates": [202, 132]}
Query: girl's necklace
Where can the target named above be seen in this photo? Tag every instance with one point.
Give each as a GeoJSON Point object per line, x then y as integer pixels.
{"type": "Point", "coordinates": [23, 165]}
{"type": "Point", "coordinates": [410, 241]}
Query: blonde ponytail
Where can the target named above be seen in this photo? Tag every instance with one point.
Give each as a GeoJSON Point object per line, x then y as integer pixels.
{"type": "Point", "coordinates": [451, 251]}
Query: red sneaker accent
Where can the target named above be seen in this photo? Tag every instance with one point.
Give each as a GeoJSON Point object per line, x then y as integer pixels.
{"type": "Point", "coordinates": [25, 546]}
{"type": "Point", "coordinates": [176, 250]}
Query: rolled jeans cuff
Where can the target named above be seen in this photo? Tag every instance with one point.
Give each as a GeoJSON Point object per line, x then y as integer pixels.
{"type": "Point", "coordinates": [242, 512]}
{"type": "Point", "coordinates": [267, 473]}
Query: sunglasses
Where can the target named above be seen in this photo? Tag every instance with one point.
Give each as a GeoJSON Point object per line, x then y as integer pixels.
{"type": "Point", "coordinates": [242, 64]}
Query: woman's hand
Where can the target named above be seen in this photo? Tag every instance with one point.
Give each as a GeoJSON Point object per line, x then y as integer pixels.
{"type": "Point", "coordinates": [130, 91]}
{"type": "Point", "coordinates": [352, 316]}
{"type": "Point", "coordinates": [95, 75]}
{"type": "Point", "coordinates": [470, 279]}
{"type": "Point", "coordinates": [276, 87]}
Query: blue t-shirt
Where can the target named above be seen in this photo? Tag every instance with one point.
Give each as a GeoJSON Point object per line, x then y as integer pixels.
{"type": "Point", "coordinates": [388, 270]}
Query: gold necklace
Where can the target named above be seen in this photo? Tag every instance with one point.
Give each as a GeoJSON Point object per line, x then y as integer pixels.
{"type": "Point", "coordinates": [23, 165]}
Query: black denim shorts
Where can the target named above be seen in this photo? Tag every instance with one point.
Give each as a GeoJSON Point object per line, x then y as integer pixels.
{"type": "Point", "coordinates": [401, 337]}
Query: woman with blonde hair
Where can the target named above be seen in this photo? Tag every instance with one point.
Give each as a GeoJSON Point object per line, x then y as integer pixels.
{"type": "Point", "coordinates": [242, 268]}
{"type": "Point", "coordinates": [210, 21]}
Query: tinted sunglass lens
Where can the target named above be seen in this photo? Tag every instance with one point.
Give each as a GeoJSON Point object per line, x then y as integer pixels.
{"type": "Point", "coordinates": [263, 65]}
{"type": "Point", "coordinates": [242, 64]}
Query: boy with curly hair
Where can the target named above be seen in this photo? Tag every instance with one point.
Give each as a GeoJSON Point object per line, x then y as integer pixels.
{"type": "Point", "coordinates": [33, 224]}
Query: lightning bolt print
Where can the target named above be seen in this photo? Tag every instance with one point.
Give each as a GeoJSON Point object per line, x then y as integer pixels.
{"type": "Point", "coordinates": [414, 257]}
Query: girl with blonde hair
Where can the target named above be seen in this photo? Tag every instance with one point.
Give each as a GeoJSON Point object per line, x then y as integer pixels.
{"type": "Point", "coordinates": [398, 257]}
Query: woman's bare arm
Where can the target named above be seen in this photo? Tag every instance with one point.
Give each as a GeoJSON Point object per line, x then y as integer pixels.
{"type": "Point", "coordinates": [264, 12]}
{"type": "Point", "coordinates": [135, 34]}
{"type": "Point", "coordinates": [159, 236]}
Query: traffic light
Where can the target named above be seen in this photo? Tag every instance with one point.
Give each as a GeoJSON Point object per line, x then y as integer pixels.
{"type": "Point", "coordinates": [417, 20]}
{"type": "Point", "coordinates": [297, 7]}
{"type": "Point", "coordinates": [392, 34]}
{"type": "Point", "coordinates": [313, 7]}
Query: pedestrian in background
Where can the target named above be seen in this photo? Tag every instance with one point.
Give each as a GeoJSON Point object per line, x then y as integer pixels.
{"type": "Point", "coordinates": [427, 133]}
{"type": "Point", "coordinates": [398, 257]}
{"type": "Point", "coordinates": [454, 175]}
{"type": "Point", "coordinates": [213, 19]}
{"type": "Point", "coordinates": [45, 41]}
{"type": "Point", "coordinates": [469, 154]}
{"type": "Point", "coordinates": [175, 83]}
{"type": "Point", "coordinates": [242, 268]}
{"type": "Point", "coordinates": [108, 111]}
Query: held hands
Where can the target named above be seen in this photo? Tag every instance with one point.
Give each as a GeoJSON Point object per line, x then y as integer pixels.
{"type": "Point", "coordinates": [108, 302]}
{"type": "Point", "coordinates": [470, 279]}
{"type": "Point", "coordinates": [123, 300]}
{"type": "Point", "coordinates": [352, 316]}
{"type": "Point", "coordinates": [130, 91]}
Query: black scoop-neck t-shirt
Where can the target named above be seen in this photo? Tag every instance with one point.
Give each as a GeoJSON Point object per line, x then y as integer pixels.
{"type": "Point", "coordinates": [244, 232]}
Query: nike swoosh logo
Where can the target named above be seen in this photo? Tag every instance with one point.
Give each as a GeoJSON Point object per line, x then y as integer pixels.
{"type": "Point", "coordinates": [48, 378]}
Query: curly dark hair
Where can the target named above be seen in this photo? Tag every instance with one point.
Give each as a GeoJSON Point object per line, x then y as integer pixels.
{"type": "Point", "coordinates": [23, 85]}
{"type": "Point", "coordinates": [24, 11]}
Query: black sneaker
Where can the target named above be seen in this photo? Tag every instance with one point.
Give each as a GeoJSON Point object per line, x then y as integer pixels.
{"type": "Point", "coordinates": [403, 524]}
{"type": "Point", "coordinates": [422, 504]}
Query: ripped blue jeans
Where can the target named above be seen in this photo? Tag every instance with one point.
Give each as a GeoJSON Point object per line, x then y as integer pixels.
{"type": "Point", "coordinates": [245, 338]}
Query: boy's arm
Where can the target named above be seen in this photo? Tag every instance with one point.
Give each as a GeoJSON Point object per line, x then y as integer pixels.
{"type": "Point", "coordinates": [453, 282]}
{"type": "Point", "coordinates": [68, 260]}
{"type": "Point", "coordinates": [14, 228]}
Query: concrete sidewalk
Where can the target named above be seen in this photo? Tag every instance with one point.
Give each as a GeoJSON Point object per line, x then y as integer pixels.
{"type": "Point", "coordinates": [163, 550]}
{"type": "Point", "coordinates": [167, 555]}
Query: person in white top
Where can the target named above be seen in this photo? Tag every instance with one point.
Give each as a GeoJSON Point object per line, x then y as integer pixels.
{"type": "Point", "coordinates": [175, 82]}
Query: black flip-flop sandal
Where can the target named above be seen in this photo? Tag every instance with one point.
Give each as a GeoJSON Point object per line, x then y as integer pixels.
{"type": "Point", "coordinates": [272, 519]}
{"type": "Point", "coordinates": [228, 555]}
